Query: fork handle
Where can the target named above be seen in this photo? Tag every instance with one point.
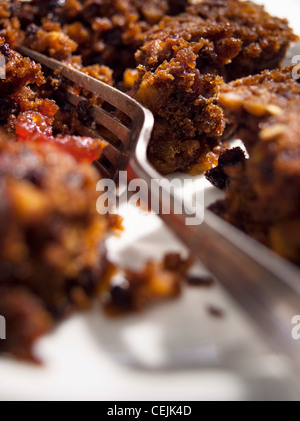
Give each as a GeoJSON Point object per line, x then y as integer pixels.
{"type": "Point", "coordinates": [264, 285]}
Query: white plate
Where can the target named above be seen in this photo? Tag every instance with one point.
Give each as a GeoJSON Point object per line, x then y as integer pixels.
{"type": "Point", "coordinates": [145, 357]}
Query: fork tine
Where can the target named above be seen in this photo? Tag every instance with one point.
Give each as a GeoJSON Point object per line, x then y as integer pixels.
{"type": "Point", "coordinates": [121, 101]}
{"type": "Point", "coordinates": [120, 140]}
{"type": "Point", "coordinates": [110, 151]}
{"type": "Point", "coordinates": [103, 117]}
{"type": "Point", "coordinates": [104, 172]}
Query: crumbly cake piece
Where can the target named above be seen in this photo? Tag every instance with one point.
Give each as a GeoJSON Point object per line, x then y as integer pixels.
{"type": "Point", "coordinates": [10, 26]}
{"type": "Point", "coordinates": [180, 64]}
{"type": "Point", "coordinates": [180, 60]}
{"type": "Point", "coordinates": [16, 95]}
{"type": "Point", "coordinates": [100, 32]}
{"type": "Point", "coordinates": [188, 122]}
{"type": "Point", "coordinates": [262, 195]}
{"type": "Point", "coordinates": [52, 242]}
{"type": "Point", "coordinates": [27, 111]}
{"type": "Point", "coordinates": [183, 99]}
{"type": "Point", "coordinates": [26, 321]}
{"type": "Point", "coordinates": [52, 238]}
{"type": "Point", "coordinates": [237, 38]}
{"type": "Point", "coordinates": [264, 38]}
{"type": "Point", "coordinates": [201, 44]}
{"type": "Point", "coordinates": [132, 291]}
{"type": "Point", "coordinates": [52, 250]}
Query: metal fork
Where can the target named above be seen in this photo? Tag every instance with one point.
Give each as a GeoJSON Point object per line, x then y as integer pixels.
{"type": "Point", "coordinates": [263, 284]}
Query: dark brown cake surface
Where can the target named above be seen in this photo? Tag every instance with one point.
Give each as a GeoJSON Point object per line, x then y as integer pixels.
{"type": "Point", "coordinates": [100, 32]}
{"type": "Point", "coordinates": [52, 238]}
{"type": "Point", "coordinates": [181, 65]}
{"type": "Point", "coordinates": [264, 38]}
{"type": "Point", "coordinates": [181, 60]}
{"type": "Point", "coordinates": [26, 321]}
{"type": "Point", "coordinates": [183, 101]}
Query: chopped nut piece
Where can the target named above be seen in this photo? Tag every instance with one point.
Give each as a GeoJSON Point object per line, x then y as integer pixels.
{"type": "Point", "coordinates": [271, 132]}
